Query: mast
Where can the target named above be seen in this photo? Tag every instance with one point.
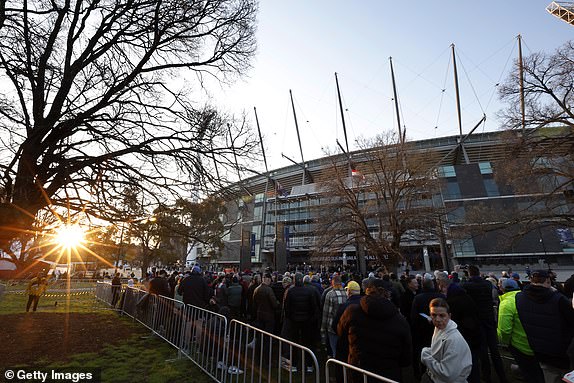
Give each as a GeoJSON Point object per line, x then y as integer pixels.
{"type": "Point", "coordinates": [298, 136]}
{"type": "Point", "coordinates": [458, 104]}
{"type": "Point", "coordinates": [344, 125]}
{"type": "Point", "coordinates": [264, 213]}
{"type": "Point", "coordinates": [401, 137]}
{"type": "Point", "coordinates": [521, 83]}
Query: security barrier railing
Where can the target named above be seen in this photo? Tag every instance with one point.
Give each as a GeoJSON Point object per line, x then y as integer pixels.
{"type": "Point", "coordinates": [260, 355]}
{"type": "Point", "coordinates": [204, 341]}
{"type": "Point", "coordinates": [227, 352]}
{"type": "Point", "coordinates": [344, 372]}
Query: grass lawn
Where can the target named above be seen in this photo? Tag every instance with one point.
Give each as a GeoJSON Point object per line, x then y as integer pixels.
{"type": "Point", "coordinates": [77, 333]}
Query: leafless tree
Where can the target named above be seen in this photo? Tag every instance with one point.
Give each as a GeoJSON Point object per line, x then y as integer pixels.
{"type": "Point", "coordinates": [539, 166]}
{"type": "Point", "coordinates": [97, 96]}
{"type": "Point", "coordinates": [538, 169]}
{"type": "Point", "coordinates": [387, 198]}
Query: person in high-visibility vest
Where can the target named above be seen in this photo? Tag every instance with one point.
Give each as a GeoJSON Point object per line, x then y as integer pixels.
{"type": "Point", "coordinates": [35, 289]}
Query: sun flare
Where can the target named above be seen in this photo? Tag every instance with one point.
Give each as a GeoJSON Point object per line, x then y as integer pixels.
{"type": "Point", "coordinates": [69, 236]}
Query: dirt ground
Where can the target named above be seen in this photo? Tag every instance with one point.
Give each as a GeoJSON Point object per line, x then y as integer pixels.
{"type": "Point", "coordinates": [30, 338]}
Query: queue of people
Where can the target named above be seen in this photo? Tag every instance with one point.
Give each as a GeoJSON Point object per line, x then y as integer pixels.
{"type": "Point", "coordinates": [444, 327]}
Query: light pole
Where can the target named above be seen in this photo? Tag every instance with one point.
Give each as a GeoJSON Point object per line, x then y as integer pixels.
{"type": "Point", "coordinates": [120, 248]}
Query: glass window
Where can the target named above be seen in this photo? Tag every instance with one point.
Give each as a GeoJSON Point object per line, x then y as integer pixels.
{"type": "Point", "coordinates": [257, 212]}
{"type": "Point", "coordinates": [465, 247]}
{"type": "Point", "coordinates": [256, 229]}
{"type": "Point", "coordinates": [452, 190]}
{"type": "Point", "coordinates": [259, 197]}
{"type": "Point", "coordinates": [491, 187]}
{"type": "Point", "coordinates": [456, 215]}
{"type": "Point", "coordinates": [485, 168]}
{"type": "Point", "coordinates": [447, 171]}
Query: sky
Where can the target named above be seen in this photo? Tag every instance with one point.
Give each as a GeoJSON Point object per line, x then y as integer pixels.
{"type": "Point", "coordinates": [302, 43]}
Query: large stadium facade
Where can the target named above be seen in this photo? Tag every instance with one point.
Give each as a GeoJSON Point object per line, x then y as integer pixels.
{"type": "Point", "coordinates": [275, 218]}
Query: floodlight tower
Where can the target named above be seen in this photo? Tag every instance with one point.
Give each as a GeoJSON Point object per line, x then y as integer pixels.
{"type": "Point", "coordinates": [564, 10]}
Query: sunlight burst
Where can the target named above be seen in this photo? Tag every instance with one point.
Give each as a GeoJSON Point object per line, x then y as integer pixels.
{"type": "Point", "coordinates": [69, 236]}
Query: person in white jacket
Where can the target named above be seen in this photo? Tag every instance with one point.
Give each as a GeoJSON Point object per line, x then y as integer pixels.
{"type": "Point", "coordinates": [448, 359]}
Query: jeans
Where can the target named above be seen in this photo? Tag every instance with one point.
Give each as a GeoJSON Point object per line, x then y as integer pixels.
{"type": "Point", "coordinates": [333, 338]}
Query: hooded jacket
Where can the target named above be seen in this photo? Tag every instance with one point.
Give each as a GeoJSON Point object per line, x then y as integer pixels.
{"type": "Point", "coordinates": [448, 359]}
{"type": "Point", "coordinates": [510, 330]}
{"type": "Point", "coordinates": [378, 335]}
{"type": "Point", "coordinates": [194, 290]}
{"type": "Point", "coordinates": [548, 319]}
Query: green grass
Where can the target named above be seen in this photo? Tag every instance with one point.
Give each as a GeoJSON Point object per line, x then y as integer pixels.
{"type": "Point", "coordinates": [141, 359]}
{"type": "Point", "coordinates": [137, 359]}
{"type": "Point", "coordinates": [16, 303]}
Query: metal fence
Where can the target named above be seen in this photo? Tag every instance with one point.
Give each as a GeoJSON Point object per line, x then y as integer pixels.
{"type": "Point", "coordinates": [344, 372]}
{"type": "Point", "coordinates": [226, 351]}
{"type": "Point", "coordinates": [205, 341]}
{"type": "Point", "coordinates": [261, 356]}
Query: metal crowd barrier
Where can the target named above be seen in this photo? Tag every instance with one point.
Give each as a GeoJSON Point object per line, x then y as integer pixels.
{"type": "Point", "coordinates": [227, 352]}
{"type": "Point", "coordinates": [205, 341]}
{"type": "Point", "coordinates": [109, 294]}
{"type": "Point", "coordinates": [260, 355]}
{"type": "Point", "coordinates": [345, 372]}
{"type": "Point", "coordinates": [130, 299]}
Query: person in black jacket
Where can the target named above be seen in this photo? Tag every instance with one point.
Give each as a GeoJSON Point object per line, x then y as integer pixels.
{"type": "Point", "coordinates": [378, 335]}
{"type": "Point", "coordinates": [548, 320]}
{"type": "Point", "coordinates": [421, 325]}
{"type": "Point", "coordinates": [159, 285]}
{"type": "Point", "coordinates": [480, 290]}
{"type": "Point", "coordinates": [465, 314]}
{"type": "Point", "coordinates": [301, 308]}
{"type": "Point", "coordinates": [194, 289]}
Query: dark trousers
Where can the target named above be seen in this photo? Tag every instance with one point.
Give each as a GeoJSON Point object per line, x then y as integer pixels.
{"type": "Point", "coordinates": [490, 343]}
{"type": "Point", "coordinates": [474, 376]}
{"type": "Point", "coordinates": [528, 365]}
{"type": "Point", "coordinates": [303, 333]}
{"type": "Point", "coordinates": [115, 295]}
{"type": "Point", "coordinates": [32, 299]}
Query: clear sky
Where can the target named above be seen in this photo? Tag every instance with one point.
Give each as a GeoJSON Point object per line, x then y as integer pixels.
{"type": "Point", "coordinates": [302, 43]}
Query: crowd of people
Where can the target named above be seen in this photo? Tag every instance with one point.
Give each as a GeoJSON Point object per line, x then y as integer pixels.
{"type": "Point", "coordinates": [446, 327]}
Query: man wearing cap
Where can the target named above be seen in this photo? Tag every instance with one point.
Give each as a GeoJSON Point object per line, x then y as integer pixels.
{"type": "Point", "coordinates": [353, 298]}
{"type": "Point", "coordinates": [516, 278]}
{"type": "Point", "coordinates": [333, 300]}
{"type": "Point", "coordinates": [379, 336]}
{"type": "Point", "coordinates": [511, 334]}
{"type": "Point", "coordinates": [548, 320]}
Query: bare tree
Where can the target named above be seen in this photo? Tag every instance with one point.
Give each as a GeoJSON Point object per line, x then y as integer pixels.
{"type": "Point", "coordinates": [548, 103]}
{"type": "Point", "coordinates": [95, 98]}
{"type": "Point", "coordinates": [387, 198]}
{"type": "Point", "coordinates": [539, 166]}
